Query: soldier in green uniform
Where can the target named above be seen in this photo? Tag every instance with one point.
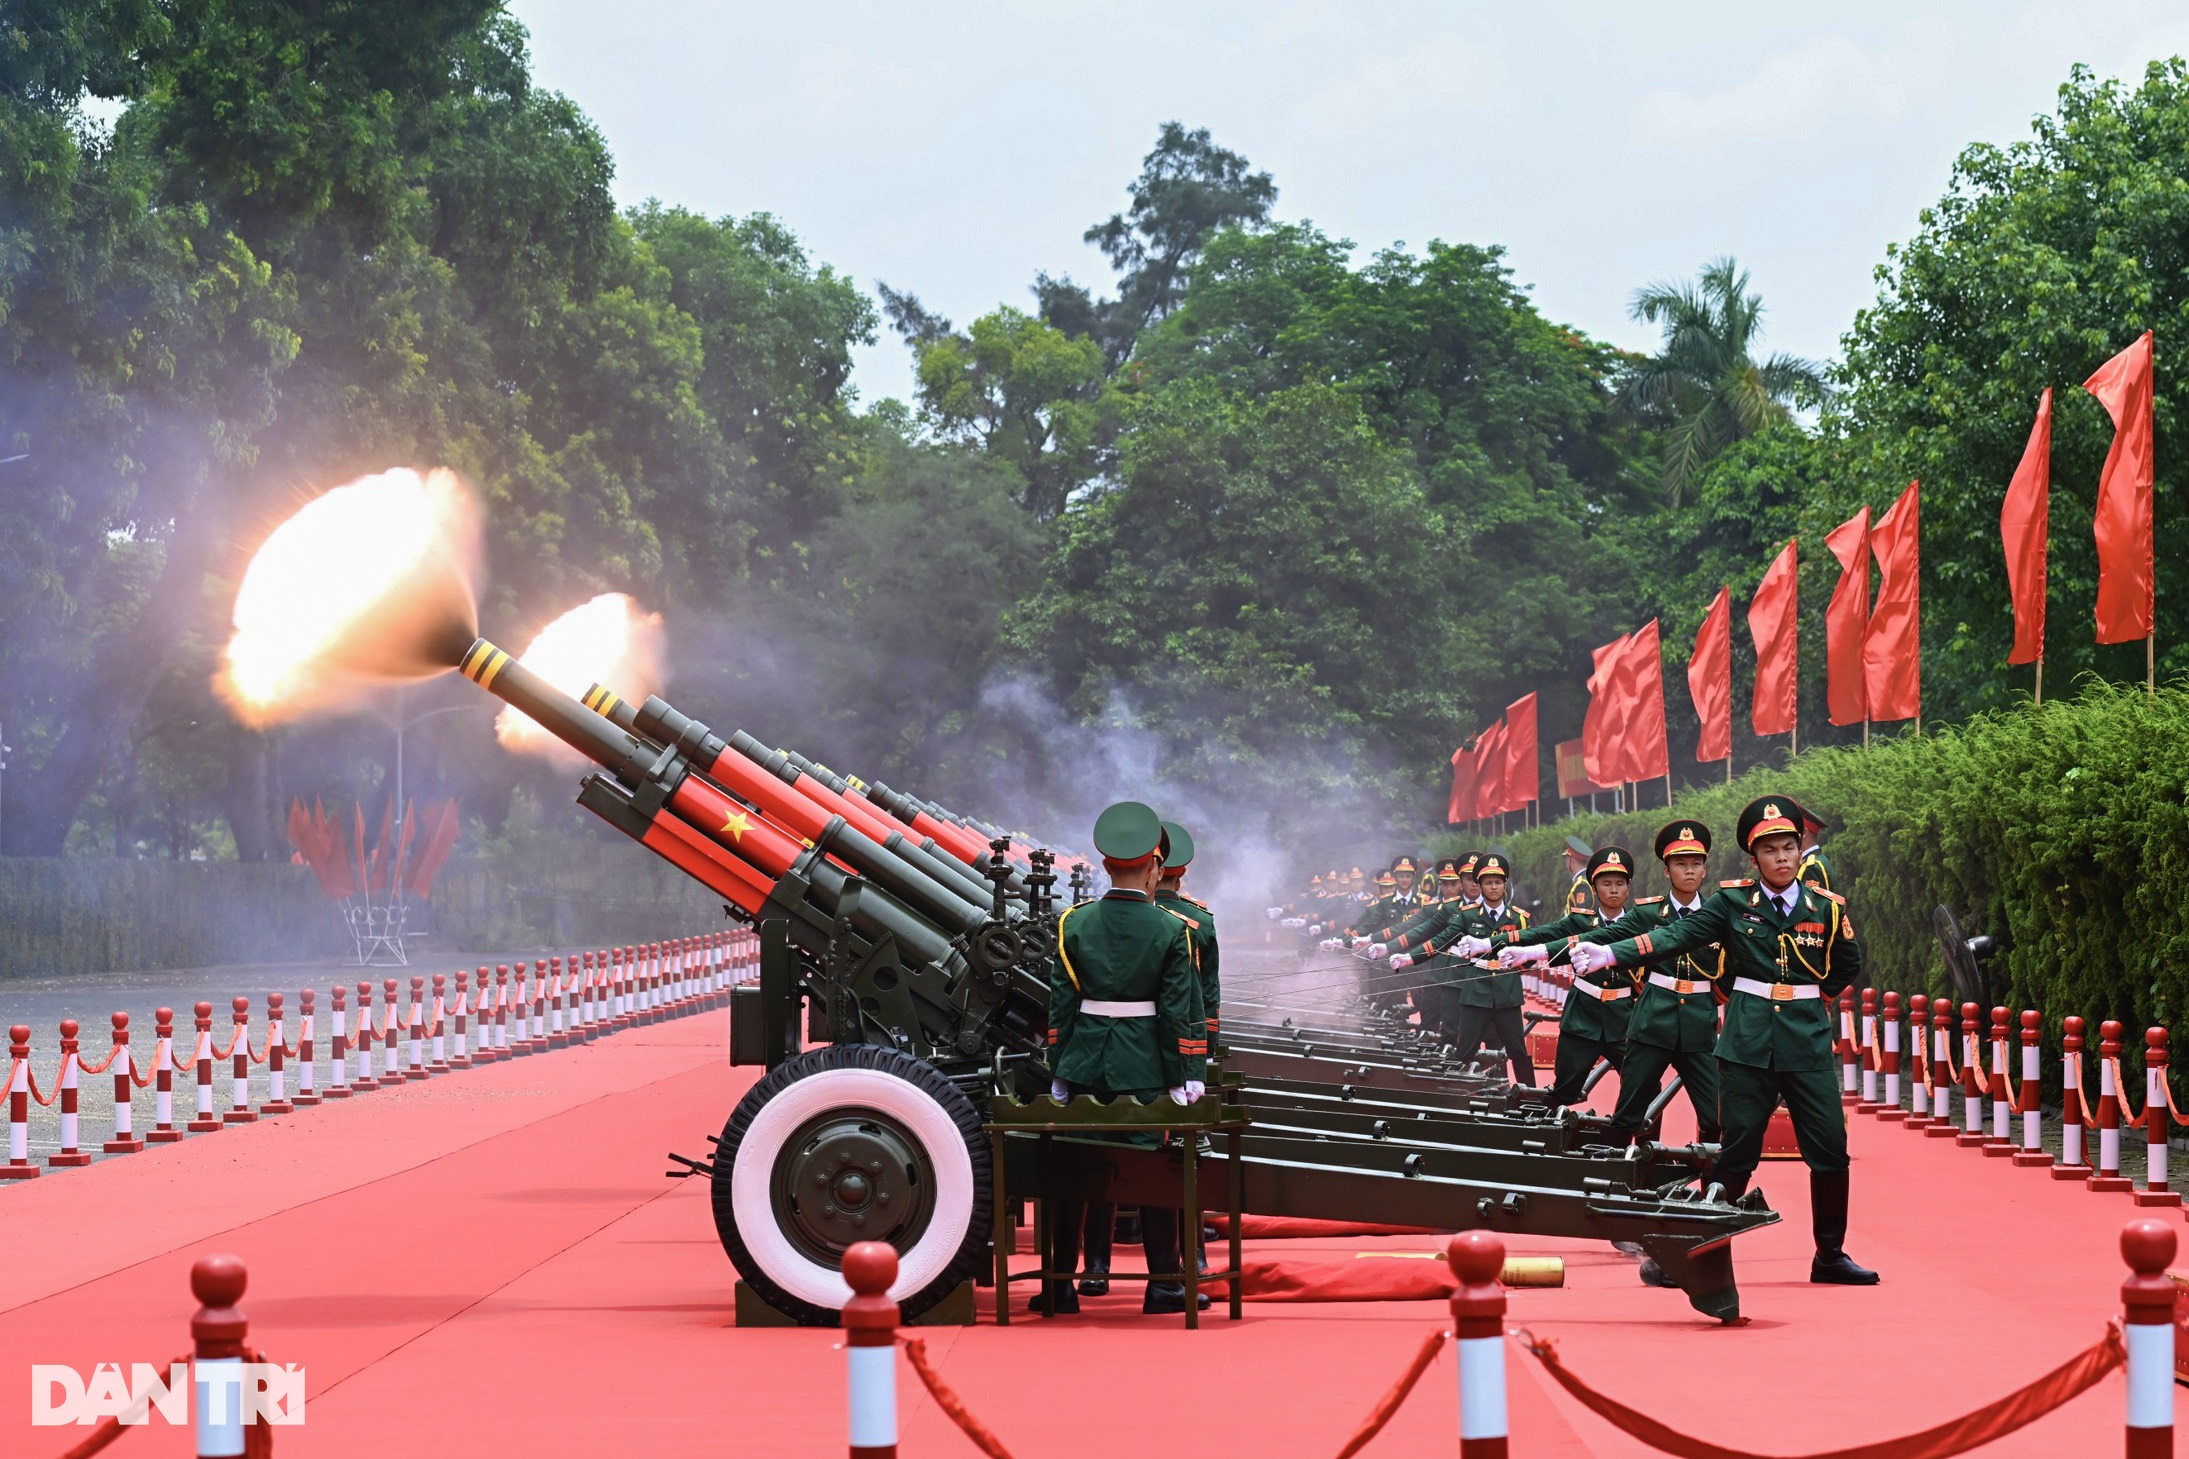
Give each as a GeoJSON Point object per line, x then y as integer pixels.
{"type": "Point", "coordinates": [1125, 1018]}
{"type": "Point", "coordinates": [1816, 867]}
{"type": "Point", "coordinates": [1419, 939]}
{"type": "Point", "coordinates": [1487, 1003]}
{"type": "Point", "coordinates": [1593, 1024]}
{"type": "Point", "coordinates": [1788, 949]}
{"type": "Point", "coordinates": [1578, 860]}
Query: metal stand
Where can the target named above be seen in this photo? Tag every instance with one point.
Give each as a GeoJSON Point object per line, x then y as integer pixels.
{"type": "Point", "coordinates": [1220, 1110]}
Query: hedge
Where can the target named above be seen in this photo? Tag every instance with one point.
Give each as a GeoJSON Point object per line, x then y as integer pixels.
{"type": "Point", "coordinates": [2060, 830]}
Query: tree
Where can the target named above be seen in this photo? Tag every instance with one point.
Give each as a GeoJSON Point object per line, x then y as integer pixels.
{"type": "Point", "coordinates": [1027, 393]}
{"type": "Point", "coordinates": [1188, 189]}
{"type": "Point", "coordinates": [1704, 387]}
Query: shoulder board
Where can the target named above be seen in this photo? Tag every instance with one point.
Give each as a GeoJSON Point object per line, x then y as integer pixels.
{"type": "Point", "coordinates": [1829, 896]}
{"type": "Point", "coordinates": [1647, 901]}
{"type": "Point", "coordinates": [1195, 900]}
{"type": "Point", "coordinates": [1738, 881]}
{"type": "Point", "coordinates": [1190, 922]}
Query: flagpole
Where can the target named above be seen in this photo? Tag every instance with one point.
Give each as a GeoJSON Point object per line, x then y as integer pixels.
{"type": "Point", "coordinates": [1728, 767]}
{"type": "Point", "coordinates": [1668, 789]}
{"type": "Point", "coordinates": [1865, 734]}
{"type": "Point", "coordinates": [2040, 679]}
{"type": "Point", "coordinates": [2151, 660]}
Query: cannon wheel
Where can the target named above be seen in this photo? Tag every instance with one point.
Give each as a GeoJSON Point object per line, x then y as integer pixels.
{"type": "Point", "coordinates": [847, 1143]}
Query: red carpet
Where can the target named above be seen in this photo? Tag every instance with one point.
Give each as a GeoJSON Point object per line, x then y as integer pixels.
{"type": "Point", "coordinates": [493, 1261]}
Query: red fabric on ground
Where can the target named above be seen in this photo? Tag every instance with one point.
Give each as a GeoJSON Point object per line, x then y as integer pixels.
{"type": "Point", "coordinates": [1301, 1228]}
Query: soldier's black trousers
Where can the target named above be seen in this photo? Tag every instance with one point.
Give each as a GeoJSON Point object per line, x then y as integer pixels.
{"type": "Point", "coordinates": [1101, 1235]}
{"type": "Point", "coordinates": [1476, 1025]}
{"type": "Point", "coordinates": [1747, 1096]}
{"type": "Point", "coordinates": [1158, 1236]}
{"type": "Point", "coordinates": [1643, 1075]}
{"type": "Point", "coordinates": [1576, 1057]}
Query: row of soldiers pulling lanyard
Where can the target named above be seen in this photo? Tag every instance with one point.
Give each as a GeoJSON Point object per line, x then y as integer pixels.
{"type": "Point", "coordinates": [1133, 994]}
{"type": "Point", "coordinates": [1649, 979]}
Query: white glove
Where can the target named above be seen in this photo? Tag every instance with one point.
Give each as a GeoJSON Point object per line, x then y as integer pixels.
{"type": "Point", "coordinates": [1294, 922]}
{"type": "Point", "coordinates": [1332, 944]}
{"type": "Point", "coordinates": [1590, 957]}
{"type": "Point", "coordinates": [1183, 1094]}
{"type": "Point", "coordinates": [1378, 949]}
{"type": "Point", "coordinates": [1360, 942]}
{"type": "Point", "coordinates": [1275, 913]}
{"type": "Point", "coordinates": [1060, 1091]}
{"type": "Point", "coordinates": [1401, 960]}
{"type": "Point", "coordinates": [1521, 957]}
{"type": "Point", "coordinates": [1314, 929]}
{"type": "Point", "coordinates": [1195, 1088]}
{"type": "Point", "coordinates": [1472, 946]}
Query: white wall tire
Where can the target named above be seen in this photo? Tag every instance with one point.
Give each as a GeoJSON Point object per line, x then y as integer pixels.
{"type": "Point", "coordinates": [929, 1194]}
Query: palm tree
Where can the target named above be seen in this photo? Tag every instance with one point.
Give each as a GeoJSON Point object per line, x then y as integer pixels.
{"type": "Point", "coordinates": [1703, 387]}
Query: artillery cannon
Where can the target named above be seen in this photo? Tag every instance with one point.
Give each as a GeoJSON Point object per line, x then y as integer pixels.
{"type": "Point", "coordinates": [915, 952]}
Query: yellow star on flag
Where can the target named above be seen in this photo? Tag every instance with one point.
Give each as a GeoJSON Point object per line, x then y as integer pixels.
{"type": "Point", "coordinates": [737, 825]}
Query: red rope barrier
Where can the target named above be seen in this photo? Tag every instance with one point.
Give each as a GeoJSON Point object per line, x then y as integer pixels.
{"type": "Point", "coordinates": [110, 1429]}
{"type": "Point", "coordinates": [946, 1399]}
{"type": "Point", "coordinates": [1389, 1403]}
{"type": "Point", "coordinates": [1955, 1436]}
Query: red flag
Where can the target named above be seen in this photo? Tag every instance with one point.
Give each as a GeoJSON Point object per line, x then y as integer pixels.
{"type": "Point", "coordinates": [1892, 655]}
{"type": "Point", "coordinates": [1603, 731]}
{"type": "Point", "coordinates": [1522, 764]}
{"type": "Point", "coordinates": [1642, 687]}
{"type": "Point", "coordinates": [1462, 805]}
{"type": "Point", "coordinates": [1490, 771]}
{"type": "Point", "coordinates": [1771, 624]}
{"type": "Point", "coordinates": [2123, 524]}
{"type": "Point", "coordinates": [1710, 679]}
{"type": "Point", "coordinates": [1847, 622]}
{"type": "Point", "coordinates": [2023, 519]}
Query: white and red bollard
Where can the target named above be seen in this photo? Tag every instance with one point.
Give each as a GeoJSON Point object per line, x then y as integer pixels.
{"type": "Point", "coordinates": [437, 1028]}
{"type": "Point", "coordinates": [2001, 1143]}
{"type": "Point", "coordinates": [338, 1047]}
{"type": "Point", "coordinates": [239, 1088]}
{"type": "Point", "coordinates": [1889, 1109]}
{"type": "Point", "coordinates": [206, 1121]}
{"type": "Point", "coordinates": [361, 1046]}
{"type": "Point", "coordinates": [1919, 1070]}
{"type": "Point", "coordinates": [307, 1057]}
{"type": "Point", "coordinates": [557, 995]}
{"type": "Point", "coordinates": [2154, 1190]}
{"type": "Point", "coordinates": [1850, 1061]}
{"type": "Point", "coordinates": [163, 1079]}
{"type": "Point", "coordinates": [870, 1349]}
{"type": "Point", "coordinates": [2147, 1330]}
{"type": "Point", "coordinates": [1973, 1085]}
{"type": "Point", "coordinates": [277, 1085]}
{"type": "Point", "coordinates": [2107, 1178]}
{"type": "Point", "coordinates": [2072, 1113]}
{"type": "Point", "coordinates": [217, 1331]}
{"type": "Point", "coordinates": [1941, 1125]}
{"type": "Point", "coordinates": [1478, 1332]}
{"type": "Point", "coordinates": [72, 1064]}
{"type": "Point", "coordinates": [500, 1030]}
{"type": "Point", "coordinates": [391, 1032]}
{"type": "Point", "coordinates": [19, 1166]}
{"type": "Point", "coordinates": [538, 1038]}
{"type": "Point", "coordinates": [414, 1063]}
{"type": "Point", "coordinates": [2033, 1153]}
{"type": "Point", "coordinates": [1872, 1065]}
{"type": "Point", "coordinates": [123, 1066]}
{"type": "Point", "coordinates": [459, 1055]}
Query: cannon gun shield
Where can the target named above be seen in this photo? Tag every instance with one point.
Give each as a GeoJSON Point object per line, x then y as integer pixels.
{"type": "Point", "coordinates": [1964, 956]}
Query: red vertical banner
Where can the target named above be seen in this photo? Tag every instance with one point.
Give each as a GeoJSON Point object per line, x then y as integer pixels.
{"type": "Point", "coordinates": [1603, 731]}
{"type": "Point", "coordinates": [1490, 771]}
{"type": "Point", "coordinates": [1892, 655]}
{"type": "Point", "coordinates": [1772, 625]}
{"type": "Point", "coordinates": [1710, 679]}
{"type": "Point", "coordinates": [1847, 622]}
{"type": "Point", "coordinates": [1642, 681]}
{"type": "Point", "coordinates": [1522, 764]}
{"type": "Point", "coordinates": [1462, 806]}
{"type": "Point", "coordinates": [2024, 518]}
{"type": "Point", "coordinates": [2123, 521]}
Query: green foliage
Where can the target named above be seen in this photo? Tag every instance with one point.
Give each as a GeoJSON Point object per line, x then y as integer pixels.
{"type": "Point", "coordinates": [2063, 831]}
{"type": "Point", "coordinates": [1028, 394]}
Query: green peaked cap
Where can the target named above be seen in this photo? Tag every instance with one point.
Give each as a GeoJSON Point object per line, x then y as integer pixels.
{"type": "Point", "coordinates": [1181, 845]}
{"type": "Point", "coordinates": [1128, 831]}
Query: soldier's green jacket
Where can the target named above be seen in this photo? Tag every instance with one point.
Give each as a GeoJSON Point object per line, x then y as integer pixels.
{"type": "Point", "coordinates": [1812, 947]}
{"type": "Point", "coordinates": [1390, 914]}
{"type": "Point", "coordinates": [1477, 987]}
{"type": "Point", "coordinates": [1123, 948]}
{"type": "Point", "coordinates": [1669, 1019]}
{"type": "Point", "coordinates": [1816, 870]}
{"type": "Point", "coordinates": [1580, 896]}
{"type": "Point", "coordinates": [1583, 1016]}
{"type": "Point", "coordinates": [1429, 928]}
{"type": "Point", "coordinates": [1202, 924]}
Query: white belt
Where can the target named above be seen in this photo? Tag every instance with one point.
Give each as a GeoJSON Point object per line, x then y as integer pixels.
{"type": "Point", "coordinates": [1101, 1008]}
{"type": "Point", "coordinates": [1685, 986]}
{"type": "Point", "coordinates": [1601, 993]}
{"type": "Point", "coordinates": [1777, 992]}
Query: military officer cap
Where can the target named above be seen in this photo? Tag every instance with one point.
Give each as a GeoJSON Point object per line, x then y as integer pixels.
{"type": "Point", "coordinates": [1128, 831]}
{"type": "Point", "coordinates": [1180, 850]}
{"type": "Point", "coordinates": [1611, 858]}
{"type": "Point", "coordinates": [1316, 880]}
{"type": "Point", "coordinates": [1492, 863]}
{"type": "Point", "coordinates": [1448, 868]}
{"type": "Point", "coordinates": [1404, 863]}
{"type": "Point", "coordinates": [1385, 879]}
{"type": "Point", "coordinates": [1469, 862]}
{"type": "Point", "coordinates": [1773, 815]}
{"type": "Point", "coordinates": [1356, 874]}
{"type": "Point", "coordinates": [1813, 824]}
{"type": "Point", "coordinates": [1683, 838]}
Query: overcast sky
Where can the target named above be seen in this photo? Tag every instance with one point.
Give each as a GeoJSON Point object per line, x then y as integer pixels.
{"type": "Point", "coordinates": [956, 149]}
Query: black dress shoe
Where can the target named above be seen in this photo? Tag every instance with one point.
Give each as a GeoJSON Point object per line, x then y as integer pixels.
{"type": "Point", "coordinates": [1836, 1269]}
{"type": "Point", "coordinates": [1096, 1283]}
{"type": "Point", "coordinates": [1168, 1298]}
{"type": "Point", "coordinates": [1653, 1275]}
{"type": "Point", "coordinates": [1066, 1300]}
